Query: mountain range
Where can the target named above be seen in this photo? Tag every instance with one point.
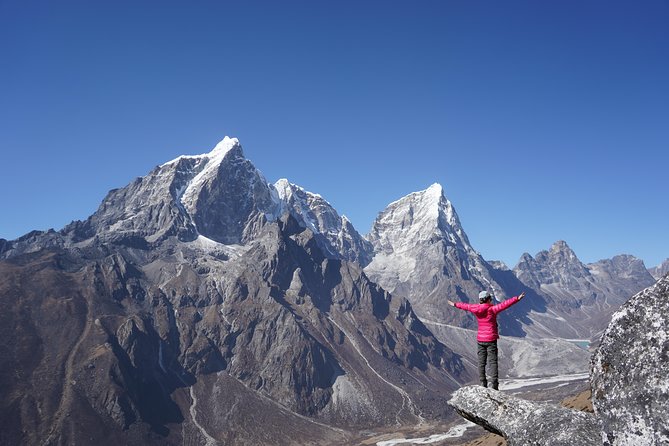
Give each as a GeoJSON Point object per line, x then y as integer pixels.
{"type": "Point", "coordinates": [201, 304]}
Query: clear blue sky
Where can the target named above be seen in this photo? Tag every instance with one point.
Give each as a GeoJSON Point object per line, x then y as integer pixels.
{"type": "Point", "coordinates": [543, 120]}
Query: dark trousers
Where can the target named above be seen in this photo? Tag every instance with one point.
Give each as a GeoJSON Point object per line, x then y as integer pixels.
{"type": "Point", "coordinates": [487, 352]}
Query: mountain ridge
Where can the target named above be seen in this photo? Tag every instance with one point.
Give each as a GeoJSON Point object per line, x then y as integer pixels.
{"type": "Point", "coordinates": [167, 307]}
{"type": "Point", "coordinates": [203, 279]}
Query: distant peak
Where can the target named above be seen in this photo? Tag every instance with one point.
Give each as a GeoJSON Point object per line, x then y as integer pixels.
{"type": "Point", "coordinates": [224, 146]}
{"type": "Point", "coordinates": [283, 182]}
{"type": "Point", "coordinates": [435, 191]}
{"type": "Point", "coordinates": [560, 245]}
{"type": "Point", "coordinates": [435, 188]}
{"type": "Point", "coordinates": [286, 189]}
{"type": "Point", "coordinates": [218, 152]}
{"type": "Point", "coordinates": [436, 196]}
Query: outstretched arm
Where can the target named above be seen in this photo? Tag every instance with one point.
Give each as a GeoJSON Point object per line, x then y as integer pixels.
{"type": "Point", "coordinates": [462, 305]}
{"type": "Point", "coordinates": [507, 303]}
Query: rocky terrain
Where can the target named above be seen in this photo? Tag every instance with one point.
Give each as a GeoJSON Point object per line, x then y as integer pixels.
{"type": "Point", "coordinates": [336, 235]}
{"type": "Point", "coordinates": [201, 304]}
{"type": "Point", "coordinates": [630, 369]}
{"type": "Point", "coordinates": [523, 422]}
{"type": "Point", "coordinates": [580, 298]}
{"type": "Point", "coordinates": [660, 270]}
{"type": "Point", "coordinates": [421, 251]}
{"type": "Point", "coordinates": [629, 391]}
{"type": "Point", "coordinates": [161, 321]}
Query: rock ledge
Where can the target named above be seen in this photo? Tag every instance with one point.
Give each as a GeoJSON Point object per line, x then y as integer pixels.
{"type": "Point", "coordinates": [524, 422]}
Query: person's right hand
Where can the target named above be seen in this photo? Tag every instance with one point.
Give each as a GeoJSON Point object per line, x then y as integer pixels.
{"type": "Point", "coordinates": [521, 295]}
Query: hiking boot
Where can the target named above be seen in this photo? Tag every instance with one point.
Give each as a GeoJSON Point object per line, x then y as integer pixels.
{"type": "Point", "coordinates": [484, 383]}
{"type": "Point", "coordinates": [495, 385]}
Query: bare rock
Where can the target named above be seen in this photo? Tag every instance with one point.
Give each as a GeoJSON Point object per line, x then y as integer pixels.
{"type": "Point", "coordinates": [630, 374]}
{"type": "Point", "coordinates": [524, 422]}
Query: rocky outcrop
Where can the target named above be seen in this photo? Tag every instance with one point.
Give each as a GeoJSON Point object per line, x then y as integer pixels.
{"type": "Point", "coordinates": [657, 271]}
{"type": "Point", "coordinates": [525, 423]}
{"type": "Point", "coordinates": [630, 394]}
{"type": "Point", "coordinates": [630, 374]}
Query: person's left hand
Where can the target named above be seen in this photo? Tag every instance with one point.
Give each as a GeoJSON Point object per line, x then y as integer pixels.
{"type": "Point", "coordinates": [452, 304]}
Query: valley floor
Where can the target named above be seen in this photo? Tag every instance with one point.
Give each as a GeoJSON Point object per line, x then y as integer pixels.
{"type": "Point", "coordinates": [553, 389]}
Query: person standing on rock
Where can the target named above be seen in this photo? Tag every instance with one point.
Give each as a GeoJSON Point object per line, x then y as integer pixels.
{"type": "Point", "coordinates": [486, 316]}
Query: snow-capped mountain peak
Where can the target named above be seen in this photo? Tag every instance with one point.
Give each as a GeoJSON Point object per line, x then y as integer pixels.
{"type": "Point", "coordinates": [335, 234]}
{"type": "Point", "coordinates": [415, 239]}
{"type": "Point", "coordinates": [310, 210]}
{"type": "Point", "coordinates": [283, 188]}
{"type": "Point", "coordinates": [224, 146]}
{"type": "Point", "coordinates": [209, 164]}
{"type": "Point", "coordinates": [418, 217]}
{"type": "Point", "coordinates": [219, 195]}
{"type": "Point", "coordinates": [435, 190]}
{"type": "Point", "coordinates": [216, 154]}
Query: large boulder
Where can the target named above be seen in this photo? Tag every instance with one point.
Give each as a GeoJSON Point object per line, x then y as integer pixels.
{"type": "Point", "coordinates": [630, 373]}
{"type": "Point", "coordinates": [524, 422]}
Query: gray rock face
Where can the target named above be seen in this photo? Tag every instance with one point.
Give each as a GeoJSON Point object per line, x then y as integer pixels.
{"type": "Point", "coordinates": [525, 423]}
{"type": "Point", "coordinates": [421, 252]}
{"type": "Point", "coordinates": [657, 272]}
{"type": "Point", "coordinates": [228, 196]}
{"type": "Point", "coordinates": [219, 195]}
{"type": "Point", "coordinates": [187, 309]}
{"type": "Point", "coordinates": [191, 307]}
{"type": "Point", "coordinates": [558, 266]}
{"type": "Point", "coordinates": [198, 340]}
{"type": "Point", "coordinates": [630, 373]}
{"type": "Point", "coordinates": [336, 235]}
{"type": "Point", "coordinates": [583, 297]}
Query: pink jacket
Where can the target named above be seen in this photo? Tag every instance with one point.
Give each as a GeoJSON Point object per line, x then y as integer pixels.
{"type": "Point", "coordinates": [486, 316]}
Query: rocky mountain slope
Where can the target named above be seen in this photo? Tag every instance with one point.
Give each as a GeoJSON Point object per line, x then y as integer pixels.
{"type": "Point", "coordinates": [660, 270]}
{"type": "Point", "coordinates": [200, 302]}
{"type": "Point", "coordinates": [419, 250]}
{"type": "Point", "coordinates": [580, 298]}
{"type": "Point", "coordinates": [422, 252]}
{"type": "Point", "coordinates": [188, 310]}
{"type": "Point", "coordinates": [336, 235]}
